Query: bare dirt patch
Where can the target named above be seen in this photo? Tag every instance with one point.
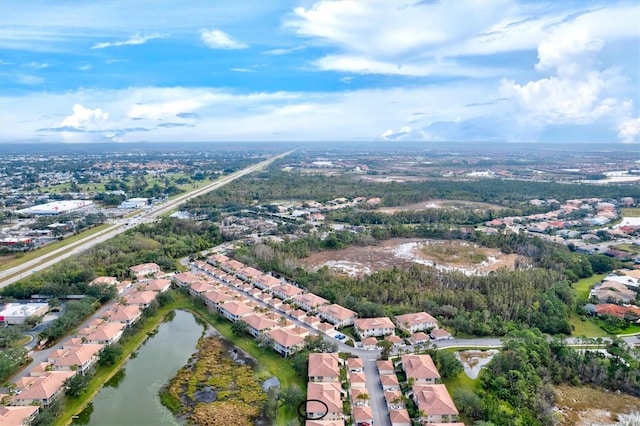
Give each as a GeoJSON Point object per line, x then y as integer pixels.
{"type": "Point", "coordinates": [442, 204]}
{"type": "Point", "coordinates": [584, 406]}
{"type": "Point", "coordinates": [405, 252]}
{"type": "Point", "coordinates": [4, 259]}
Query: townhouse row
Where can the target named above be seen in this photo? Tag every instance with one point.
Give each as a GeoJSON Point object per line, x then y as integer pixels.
{"type": "Point", "coordinates": [47, 380]}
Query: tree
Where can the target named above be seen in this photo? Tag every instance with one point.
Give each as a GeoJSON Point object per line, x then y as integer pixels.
{"type": "Point", "coordinates": [385, 348]}
{"type": "Point", "coordinates": [110, 354]}
{"type": "Point", "coordinates": [291, 396]}
{"type": "Point", "coordinates": [300, 363]}
{"type": "Point", "coordinates": [76, 385]}
{"type": "Point", "coordinates": [317, 343]}
{"type": "Point", "coordinates": [239, 328]}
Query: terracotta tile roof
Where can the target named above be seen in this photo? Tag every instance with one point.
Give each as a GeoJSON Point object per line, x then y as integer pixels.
{"type": "Point", "coordinates": [420, 367]}
{"type": "Point", "coordinates": [17, 416]}
{"type": "Point", "coordinates": [374, 323]}
{"type": "Point", "coordinates": [327, 392]}
{"type": "Point", "coordinates": [336, 311]}
{"type": "Point", "coordinates": [434, 399]}
{"type": "Point", "coordinates": [44, 387]}
{"type": "Point", "coordinates": [323, 365]}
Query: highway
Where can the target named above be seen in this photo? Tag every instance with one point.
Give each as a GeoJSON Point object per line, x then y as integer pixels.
{"type": "Point", "coordinates": [11, 275]}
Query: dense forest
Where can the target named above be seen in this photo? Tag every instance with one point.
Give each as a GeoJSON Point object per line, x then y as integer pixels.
{"type": "Point", "coordinates": [517, 386]}
{"type": "Point", "coordinates": [160, 243]}
{"type": "Point", "coordinates": [274, 186]}
{"type": "Point", "coordinates": [536, 294]}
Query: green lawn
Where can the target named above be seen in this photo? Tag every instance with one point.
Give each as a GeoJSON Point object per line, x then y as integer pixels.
{"type": "Point", "coordinates": [581, 288]}
{"type": "Point", "coordinates": [588, 327]}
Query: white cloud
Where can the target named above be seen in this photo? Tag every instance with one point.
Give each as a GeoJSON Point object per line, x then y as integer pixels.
{"type": "Point", "coordinates": [241, 69]}
{"type": "Point", "coordinates": [84, 67]}
{"type": "Point", "coordinates": [38, 65]}
{"type": "Point", "coordinates": [134, 40]}
{"type": "Point", "coordinates": [217, 39]}
{"type": "Point", "coordinates": [629, 130]}
{"type": "Point", "coordinates": [29, 80]}
{"type": "Point", "coordinates": [429, 38]}
{"type": "Point", "coordinates": [578, 91]}
{"type": "Point", "coordinates": [83, 118]}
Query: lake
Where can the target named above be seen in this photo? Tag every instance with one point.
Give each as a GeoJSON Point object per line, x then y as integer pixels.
{"type": "Point", "coordinates": [131, 397]}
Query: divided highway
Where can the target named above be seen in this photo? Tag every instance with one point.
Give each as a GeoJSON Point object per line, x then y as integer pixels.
{"type": "Point", "coordinates": [11, 275]}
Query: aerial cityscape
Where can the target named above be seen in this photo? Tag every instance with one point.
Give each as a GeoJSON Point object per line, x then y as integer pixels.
{"type": "Point", "coordinates": [320, 213]}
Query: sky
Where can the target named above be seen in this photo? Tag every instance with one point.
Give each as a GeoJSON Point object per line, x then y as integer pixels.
{"type": "Point", "coordinates": [256, 70]}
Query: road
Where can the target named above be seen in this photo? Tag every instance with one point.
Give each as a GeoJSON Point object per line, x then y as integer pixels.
{"type": "Point", "coordinates": [11, 275]}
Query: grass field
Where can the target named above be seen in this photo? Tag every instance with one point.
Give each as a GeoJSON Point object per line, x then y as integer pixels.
{"type": "Point", "coordinates": [631, 212]}
{"type": "Point", "coordinates": [588, 327]}
{"type": "Point", "coordinates": [581, 288]}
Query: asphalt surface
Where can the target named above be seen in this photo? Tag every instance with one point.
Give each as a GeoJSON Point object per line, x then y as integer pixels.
{"type": "Point", "coordinates": [11, 275]}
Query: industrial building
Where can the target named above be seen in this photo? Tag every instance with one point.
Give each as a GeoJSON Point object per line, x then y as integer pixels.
{"type": "Point", "coordinates": [134, 203]}
{"type": "Point", "coordinates": [17, 313]}
{"type": "Point", "coordinates": [55, 207]}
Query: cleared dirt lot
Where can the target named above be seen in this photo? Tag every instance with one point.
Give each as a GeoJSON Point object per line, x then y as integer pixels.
{"type": "Point", "coordinates": [404, 252]}
{"type": "Point", "coordinates": [442, 204]}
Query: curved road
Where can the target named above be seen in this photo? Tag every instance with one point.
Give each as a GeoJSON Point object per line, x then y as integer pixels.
{"type": "Point", "coordinates": [11, 275]}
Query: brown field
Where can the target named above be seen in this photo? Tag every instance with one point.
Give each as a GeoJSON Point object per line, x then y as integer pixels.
{"type": "Point", "coordinates": [6, 258]}
{"type": "Point", "coordinates": [441, 204]}
{"type": "Point", "coordinates": [584, 406]}
{"type": "Point", "coordinates": [405, 252]}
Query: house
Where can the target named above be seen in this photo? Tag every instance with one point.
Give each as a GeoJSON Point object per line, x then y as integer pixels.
{"type": "Point", "coordinates": [298, 314]}
{"type": "Point", "coordinates": [122, 286]}
{"type": "Point", "coordinates": [331, 396]}
{"type": "Point", "coordinates": [362, 416]}
{"type": "Point", "coordinates": [395, 400]}
{"type": "Point", "coordinates": [357, 379]}
{"type": "Point", "coordinates": [285, 342]}
{"type": "Point", "coordinates": [309, 301]}
{"type": "Point", "coordinates": [286, 291]}
{"type": "Point", "coordinates": [160, 285]}
{"type": "Point", "coordinates": [419, 321]}
{"type": "Point", "coordinates": [311, 321]}
{"type": "Point", "coordinates": [419, 338]}
{"type": "Point", "coordinates": [616, 310]}
{"type": "Point", "coordinates": [385, 367]}
{"type": "Point", "coordinates": [337, 315]}
{"type": "Point", "coordinates": [215, 298]}
{"type": "Point", "coordinates": [395, 340]}
{"type": "Point", "coordinates": [369, 343]}
{"type": "Point", "coordinates": [183, 279]}
{"type": "Point", "coordinates": [420, 368]}
{"type": "Point", "coordinates": [327, 329]}
{"type": "Point", "coordinates": [612, 291]}
{"type": "Point", "coordinates": [140, 298]}
{"type": "Point", "coordinates": [105, 334]}
{"type": "Point", "coordinates": [367, 327]}
{"type": "Point", "coordinates": [217, 259]}
{"type": "Point", "coordinates": [198, 288]}
{"type": "Point", "coordinates": [389, 382]}
{"type": "Point", "coordinates": [266, 282]}
{"type": "Point", "coordinates": [77, 359]}
{"type": "Point", "coordinates": [234, 310]}
{"type": "Point", "coordinates": [399, 417]}
{"type": "Point", "coordinates": [144, 270]}
{"type": "Point", "coordinates": [127, 315]}
{"type": "Point", "coordinates": [18, 416]}
{"type": "Point", "coordinates": [441, 334]}
{"type": "Point", "coordinates": [231, 266]}
{"type": "Point", "coordinates": [248, 274]}
{"type": "Point", "coordinates": [355, 365]}
{"type": "Point", "coordinates": [435, 402]}
{"type": "Point", "coordinates": [258, 323]}
{"type": "Point", "coordinates": [104, 281]}
{"type": "Point", "coordinates": [42, 390]}
{"type": "Point", "coordinates": [324, 422]}
{"type": "Point", "coordinates": [324, 367]}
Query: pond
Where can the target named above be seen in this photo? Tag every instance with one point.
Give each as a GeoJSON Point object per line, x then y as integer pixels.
{"type": "Point", "coordinates": [131, 397]}
{"type": "Point", "coordinates": [474, 360]}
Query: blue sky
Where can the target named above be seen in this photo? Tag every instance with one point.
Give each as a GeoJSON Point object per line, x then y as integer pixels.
{"type": "Point", "coordinates": [241, 70]}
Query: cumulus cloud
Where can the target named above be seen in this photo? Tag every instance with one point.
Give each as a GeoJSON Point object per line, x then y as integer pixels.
{"type": "Point", "coordinates": [84, 117]}
{"type": "Point", "coordinates": [577, 91]}
{"type": "Point", "coordinates": [217, 39]}
{"type": "Point", "coordinates": [629, 130]}
{"type": "Point", "coordinates": [134, 40]}
{"type": "Point", "coordinates": [396, 134]}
